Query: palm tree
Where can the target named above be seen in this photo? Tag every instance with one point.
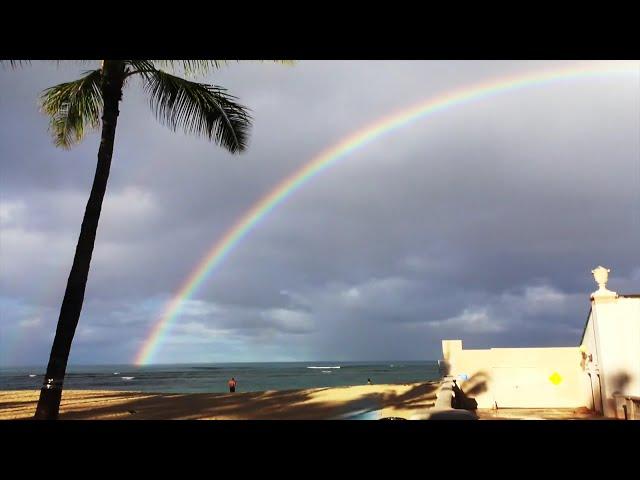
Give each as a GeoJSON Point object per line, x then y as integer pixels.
{"type": "Point", "coordinates": [92, 101]}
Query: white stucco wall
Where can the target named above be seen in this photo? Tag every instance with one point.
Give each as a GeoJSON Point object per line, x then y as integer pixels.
{"type": "Point", "coordinates": [616, 325]}
{"type": "Point", "coordinates": [519, 377]}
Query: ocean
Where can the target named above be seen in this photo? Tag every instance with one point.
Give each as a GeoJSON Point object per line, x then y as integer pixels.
{"type": "Point", "coordinates": [203, 378]}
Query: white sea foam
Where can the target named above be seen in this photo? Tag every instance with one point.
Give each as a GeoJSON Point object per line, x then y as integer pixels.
{"type": "Point", "coordinates": [323, 367]}
{"type": "Point", "coordinates": [128, 378]}
{"type": "Point", "coordinates": [116, 373]}
{"type": "Point", "coordinates": [32, 376]}
{"type": "Point", "coordinates": [326, 371]}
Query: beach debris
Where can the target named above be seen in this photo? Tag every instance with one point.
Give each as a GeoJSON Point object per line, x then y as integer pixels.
{"type": "Point", "coordinates": [132, 412]}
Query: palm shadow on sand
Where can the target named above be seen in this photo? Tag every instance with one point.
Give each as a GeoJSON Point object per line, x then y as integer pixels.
{"type": "Point", "coordinates": [286, 405]}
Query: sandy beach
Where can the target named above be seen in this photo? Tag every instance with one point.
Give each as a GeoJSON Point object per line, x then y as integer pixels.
{"type": "Point", "coordinates": [365, 401]}
{"type": "Point", "coordinates": [369, 402]}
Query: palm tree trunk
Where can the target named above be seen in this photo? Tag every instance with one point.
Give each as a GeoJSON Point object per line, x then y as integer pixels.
{"type": "Point", "coordinates": [51, 392]}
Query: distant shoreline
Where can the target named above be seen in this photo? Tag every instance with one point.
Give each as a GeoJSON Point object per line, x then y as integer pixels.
{"type": "Point", "coordinates": [213, 378]}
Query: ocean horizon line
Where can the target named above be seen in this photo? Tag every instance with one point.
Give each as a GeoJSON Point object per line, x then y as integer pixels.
{"type": "Point", "coordinates": [330, 361]}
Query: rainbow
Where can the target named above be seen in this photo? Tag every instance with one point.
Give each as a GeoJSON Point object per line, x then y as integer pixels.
{"type": "Point", "coordinates": [287, 187]}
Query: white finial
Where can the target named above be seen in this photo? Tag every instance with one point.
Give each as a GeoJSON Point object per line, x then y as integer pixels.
{"type": "Point", "coordinates": [601, 275]}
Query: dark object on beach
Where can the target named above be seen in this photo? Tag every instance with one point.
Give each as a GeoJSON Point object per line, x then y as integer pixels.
{"type": "Point", "coordinates": [471, 404]}
{"type": "Point", "coordinates": [461, 401]}
{"type": "Point", "coordinates": [393, 418]}
{"type": "Point", "coordinates": [232, 385]}
{"type": "Point", "coordinates": [453, 415]}
{"type": "Point", "coordinates": [132, 412]}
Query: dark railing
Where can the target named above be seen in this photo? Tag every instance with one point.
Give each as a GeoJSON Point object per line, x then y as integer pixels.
{"type": "Point", "coordinates": [628, 406]}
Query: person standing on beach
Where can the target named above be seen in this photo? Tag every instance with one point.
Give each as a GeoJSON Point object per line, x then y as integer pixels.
{"type": "Point", "coordinates": [369, 381]}
{"type": "Point", "coordinates": [232, 385]}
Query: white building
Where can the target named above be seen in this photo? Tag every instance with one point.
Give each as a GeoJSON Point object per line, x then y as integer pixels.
{"type": "Point", "coordinates": [602, 373]}
{"type": "Point", "coordinates": [610, 351]}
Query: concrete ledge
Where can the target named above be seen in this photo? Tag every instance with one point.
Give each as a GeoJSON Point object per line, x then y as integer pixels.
{"type": "Point", "coordinates": [452, 414]}
{"type": "Point", "coordinates": [444, 396]}
{"type": "Point", "coordinates": [443, 407]}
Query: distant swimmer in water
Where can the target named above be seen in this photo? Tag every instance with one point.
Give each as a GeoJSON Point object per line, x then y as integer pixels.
{"type": "Point", "coordinates": [232, 385]}
{"type": "Point", "coordinates": [369, 381]}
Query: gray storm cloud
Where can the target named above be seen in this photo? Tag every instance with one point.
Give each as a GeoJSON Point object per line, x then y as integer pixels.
{"type": "Point", "coordinates": [481, 222]}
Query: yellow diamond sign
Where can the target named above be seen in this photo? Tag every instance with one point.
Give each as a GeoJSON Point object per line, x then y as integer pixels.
{"type": "Point", "coordinates": [555, 378]}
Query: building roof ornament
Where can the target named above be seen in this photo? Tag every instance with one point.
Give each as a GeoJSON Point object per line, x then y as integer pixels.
{"type": "Point", "coordinates": [601, 275]}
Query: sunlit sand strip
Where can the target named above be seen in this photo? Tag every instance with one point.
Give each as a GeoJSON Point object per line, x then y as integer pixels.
{"type": "Point", "coordinates": [72, 401]}
{"type": "Point", "coordinates": [319, 403]}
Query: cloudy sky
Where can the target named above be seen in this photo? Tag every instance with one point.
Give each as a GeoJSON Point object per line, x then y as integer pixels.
{"type": "Point", "coordinates": [481, 222]}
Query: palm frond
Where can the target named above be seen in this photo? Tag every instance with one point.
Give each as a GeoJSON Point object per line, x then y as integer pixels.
{"type": "Point", "coordinates": [73, 107]}
{"type": "Point", "coordinates": [15, 63]}
{"type": "Point", "coordinates": [191, 67]}
{"type": "Point", "coordinates": [19, 63]}
{"type": "Point", "coordinates": [78, 62]}
{"type": "Point", "coordinates": [135, 67]}
{"type": "Point", "coordinates": [289, 63]}
{"type": "Point", "coordinates": [198, 108]}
